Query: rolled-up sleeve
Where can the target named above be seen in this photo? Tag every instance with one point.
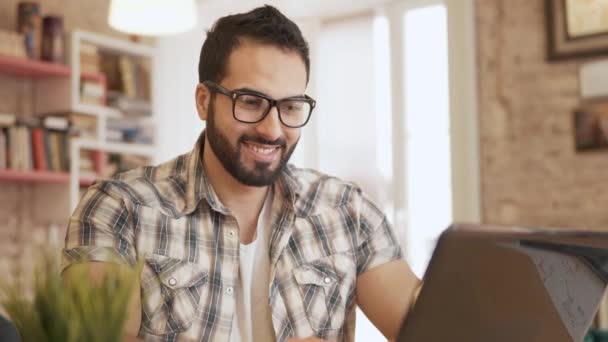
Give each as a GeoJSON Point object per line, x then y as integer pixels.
{"type": "Point", "coordinates": [377, 241]}
{"type": "Point", "coordinates": [100, 229]}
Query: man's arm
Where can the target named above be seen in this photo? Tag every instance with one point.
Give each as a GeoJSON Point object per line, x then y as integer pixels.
{"type": "Point", "coordinates": [96, 272]}
{"type": "Point", "coordinates": [385, 294]}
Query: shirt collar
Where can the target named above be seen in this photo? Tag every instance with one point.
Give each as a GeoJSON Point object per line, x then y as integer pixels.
{"type": "Point", "coordinates": [198, 186]}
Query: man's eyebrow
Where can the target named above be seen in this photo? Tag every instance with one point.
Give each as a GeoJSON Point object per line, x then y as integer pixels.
{"type": "Point", "coordinates": [253, 91]}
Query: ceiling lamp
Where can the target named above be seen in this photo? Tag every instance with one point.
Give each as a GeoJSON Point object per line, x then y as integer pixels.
{"type": "Point", "coordinates": [152, 17]}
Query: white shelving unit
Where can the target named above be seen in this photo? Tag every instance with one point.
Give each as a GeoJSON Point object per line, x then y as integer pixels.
{"type": "Point", "coordinates": [77, 145]}
{"type": "Point", "coordinates": [102, 113]}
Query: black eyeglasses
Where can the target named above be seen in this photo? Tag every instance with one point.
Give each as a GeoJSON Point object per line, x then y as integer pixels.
{"type": "Point", "coordinates": [252, 107]}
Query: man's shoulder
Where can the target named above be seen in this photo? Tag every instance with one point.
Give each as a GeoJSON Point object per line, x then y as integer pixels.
{"type": "Point", "coordinates": [318, 191]}
{"type": "Point", "coordinates": [149, 185]}
{"type": "Point", "coordinates": [155, 174]}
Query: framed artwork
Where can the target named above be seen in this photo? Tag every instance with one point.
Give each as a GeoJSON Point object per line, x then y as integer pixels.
{"type": "Point", "coordinates": [591, 127]}
{"type": "Point", "coordinates": [576, 28]}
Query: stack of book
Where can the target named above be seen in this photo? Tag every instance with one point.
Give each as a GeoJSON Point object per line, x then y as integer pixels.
{"type": "Point", "coordinates": [129, 106]}
{"type": "Point", "coordinates": [35, 144]}
{"type": "Point", "coordinates": [135, 76]}
{"type": "Point", "coordinates": [89, 58]}
{"type": "Point", "coordinates": [42, 143]}
{"type": "Point", "coordinates": [139, 130]}
{"type": "Point", "coordinates": [84, 127]}
{"type": "Point", "coordinates": [92, 92]}
{"type": "Point", "coordinates": [127, 75]}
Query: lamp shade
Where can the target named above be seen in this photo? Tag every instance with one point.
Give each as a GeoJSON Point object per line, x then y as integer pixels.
{"type": "Point", "coordinates": [152, 17]}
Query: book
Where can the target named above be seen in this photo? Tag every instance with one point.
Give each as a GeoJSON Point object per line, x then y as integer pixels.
{"type": "Point", "coordinates": [89, 58]}
{"type": "Point", "coordinates": [88, 49]}
{"type": "Point", "coordinates": [3, 152]}
{"type": "Point", "coordinates": [92, 92]}
{"type": "Point", "coordinates": [109, 66]}
{"type": "Point", "coordinates": [114, 135]}
{"type": "Point", "coordinates": [48, 151]}
{"type": "Point", "coordinates": [38, 149]}
{"type": "Point", "coordinates": [100, 160]}
{"type": "Point", "coordinates": [12, 142]}
{"type": "Point", "coordinates": [56, 123]}
{"type": "Point", "coordinates": [26, 137]}
{"type": "Point", "coordinates": [55, 147]}
{"type": "Point", "coordinates": [7, 119]}
{"type": "Point", "coordinates": [17, 148]}
{"type": "Point", "coordinates": [130, 106]}
{"type": "Point", "coordinates": [65, 151]}
{"type": "Point", "coordinates": [83, 126]}
{"type": "Point", "coordinates": [143, 79]}
{"type": "Point", "coordinates": [127, 76]}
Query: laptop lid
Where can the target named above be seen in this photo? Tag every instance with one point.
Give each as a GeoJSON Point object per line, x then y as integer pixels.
{"type": "Point", "coordinates": [501, 283]}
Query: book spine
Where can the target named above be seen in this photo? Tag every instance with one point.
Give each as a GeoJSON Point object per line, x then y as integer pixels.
{"type": "Point", "coordinates": [48, 150]}
{"type": "Point", "coordinates": [27, 152]}
{"type": "Point", "coordinates": [16, 149]}
{"type": "Point", "coordinates": [39, 150]}
{"type": "Point", "coordinates": [65, 151]}
{"type": "Point", "coordinates": [10, 141]}
{"type": "Point", "coordinates": [56, 150]}
{"type": "Point", "coordinates": [3, 150]}
{"type": "Point", "coordinates": [100, 161]}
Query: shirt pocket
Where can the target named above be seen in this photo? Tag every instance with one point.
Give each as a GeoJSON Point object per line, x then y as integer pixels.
{"type": "Point", "coordinates": [326, 286]}
{"type": "Point", "coordinates": [171, 291]}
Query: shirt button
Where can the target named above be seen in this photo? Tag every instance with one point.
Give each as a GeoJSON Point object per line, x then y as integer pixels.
{"type": "Point", "coordinates": [327, 280]}
{"type": "Point", "coordinates": [229, 291]}
{"type": "Point", "coordinates": [231, 232]}
{"type": "Point", "coordinates": [172, 281]}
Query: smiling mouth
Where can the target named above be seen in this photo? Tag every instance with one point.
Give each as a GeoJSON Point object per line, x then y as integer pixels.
{"type": "Point", "coordinates": [265, 150]}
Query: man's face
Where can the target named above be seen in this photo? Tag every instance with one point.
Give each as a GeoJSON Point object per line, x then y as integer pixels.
{"type": "Point", "coordinates": [254, 154]}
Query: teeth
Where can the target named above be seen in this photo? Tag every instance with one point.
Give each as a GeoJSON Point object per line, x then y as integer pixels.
{"type": "Point", "coordinates": [262, 150]}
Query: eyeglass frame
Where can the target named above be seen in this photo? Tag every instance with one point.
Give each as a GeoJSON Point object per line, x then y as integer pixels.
{"type": "Point", "coordinates": [233, 94]}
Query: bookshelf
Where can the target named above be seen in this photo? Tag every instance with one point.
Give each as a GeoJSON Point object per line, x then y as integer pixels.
{"type": "Point", "coordinates": [45, 177]}
{"type": "Point", "coordinates": [60, 90]}
{"type": "Point", "coordinates": [20, 67]}
{"type": "Point", "coordinates": [104, 113]}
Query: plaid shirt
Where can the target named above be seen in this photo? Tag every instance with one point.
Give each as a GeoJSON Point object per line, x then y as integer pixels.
{"type": "Point", "coordinates": [324, 234]}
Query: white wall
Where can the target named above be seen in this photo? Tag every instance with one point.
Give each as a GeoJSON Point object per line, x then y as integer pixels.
{"type": "Point", "coordinates": [347, 117]}
{"type": "Point", "coordinates": [176, 76]}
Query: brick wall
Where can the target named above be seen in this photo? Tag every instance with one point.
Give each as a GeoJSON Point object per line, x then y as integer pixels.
{"type": "Point", "coordinates": [530, 173]}
{"type": "Point", "coordinates": [28, 210]}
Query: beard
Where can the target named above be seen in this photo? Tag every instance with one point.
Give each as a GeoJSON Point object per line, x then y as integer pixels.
{"type": "Point", "coordinates": [263, 173]}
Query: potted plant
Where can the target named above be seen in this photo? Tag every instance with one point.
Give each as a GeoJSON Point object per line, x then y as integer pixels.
{"type": "Point", "coordinates": [68, 310]}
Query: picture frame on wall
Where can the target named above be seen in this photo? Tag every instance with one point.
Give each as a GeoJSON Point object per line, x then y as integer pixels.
{"type": "Point", "coordinates": [591, 127]}
{"type": "Point", "coordinates": [576, 28]}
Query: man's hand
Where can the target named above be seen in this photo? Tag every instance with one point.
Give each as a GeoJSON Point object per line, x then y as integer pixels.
{"type": "Point", "coordinates": [308, 339]}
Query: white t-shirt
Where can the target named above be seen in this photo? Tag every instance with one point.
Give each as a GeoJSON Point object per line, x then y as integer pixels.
{"type": "Point", "coordinates": [252, 319]}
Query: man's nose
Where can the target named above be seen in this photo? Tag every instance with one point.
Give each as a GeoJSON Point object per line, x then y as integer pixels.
{"type": "Point", "coordinates": [270, 128]}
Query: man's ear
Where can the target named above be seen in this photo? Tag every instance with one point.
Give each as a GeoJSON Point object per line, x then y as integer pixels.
{"type": "Point", "coordinates": [202, 96]}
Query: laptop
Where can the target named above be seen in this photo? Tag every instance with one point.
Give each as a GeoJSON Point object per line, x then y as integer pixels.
{"type": "Point", "coordinates": [506, 283]}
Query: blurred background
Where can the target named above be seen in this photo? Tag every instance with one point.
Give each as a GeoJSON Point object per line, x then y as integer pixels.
{"type": "Point", "coordinates": [442, 110]}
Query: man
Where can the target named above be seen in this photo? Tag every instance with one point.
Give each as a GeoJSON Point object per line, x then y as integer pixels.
{"type": "Point", "coordinates": [237, 245]}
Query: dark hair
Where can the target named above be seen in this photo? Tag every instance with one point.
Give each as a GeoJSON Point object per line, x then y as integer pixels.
{"type": "Point", "coordinates": [264, 24]}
